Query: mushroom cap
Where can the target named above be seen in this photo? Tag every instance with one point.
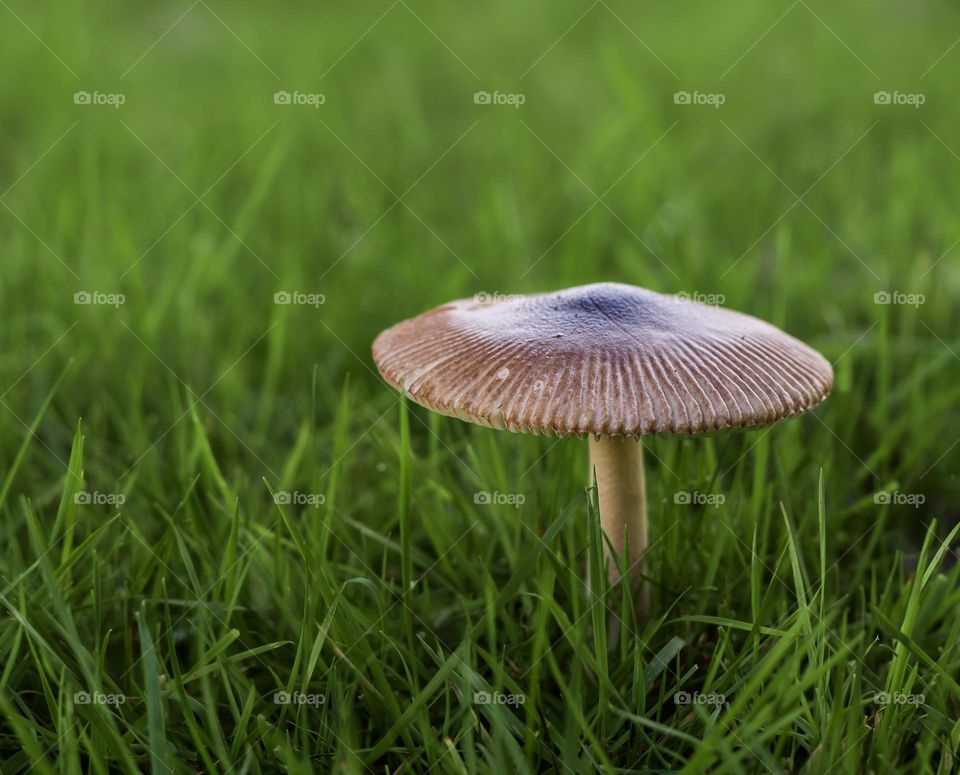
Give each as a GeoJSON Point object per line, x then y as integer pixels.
{"type": "Point", "coordinates": [607, 359]}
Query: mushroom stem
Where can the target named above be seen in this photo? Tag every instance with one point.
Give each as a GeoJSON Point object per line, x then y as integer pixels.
{"type": "Point", "coordinates": [617, 466]}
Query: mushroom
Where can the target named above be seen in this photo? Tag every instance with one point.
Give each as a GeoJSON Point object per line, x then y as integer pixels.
{"type": "Point", "coordinates": [609, 361]}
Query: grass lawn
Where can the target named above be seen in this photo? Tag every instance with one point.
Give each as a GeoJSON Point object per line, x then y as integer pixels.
{"type": "Point", "coordinates": [229, 546]}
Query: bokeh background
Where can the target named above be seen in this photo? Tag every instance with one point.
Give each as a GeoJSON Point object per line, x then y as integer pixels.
{"type": "Point", "coordinates": [785, 187]}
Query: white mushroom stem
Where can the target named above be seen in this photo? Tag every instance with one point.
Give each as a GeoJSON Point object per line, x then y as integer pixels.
{"type": "Point", "coordinates": [617, 464]}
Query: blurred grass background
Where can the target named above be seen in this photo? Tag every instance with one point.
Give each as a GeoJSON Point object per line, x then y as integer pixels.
{"type": "Point", "coordinates": [798, 200]}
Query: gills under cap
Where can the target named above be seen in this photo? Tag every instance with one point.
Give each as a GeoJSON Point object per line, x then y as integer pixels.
{"type": "Point", "coordinates": [606, 359]}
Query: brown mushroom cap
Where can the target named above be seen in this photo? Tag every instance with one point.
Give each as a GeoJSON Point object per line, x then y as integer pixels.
{"type": "Point", "coordinates": [606, 359]}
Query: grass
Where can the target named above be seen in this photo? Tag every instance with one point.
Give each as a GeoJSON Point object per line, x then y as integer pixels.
{"type": "Point", "coordinates": [164, 607]}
